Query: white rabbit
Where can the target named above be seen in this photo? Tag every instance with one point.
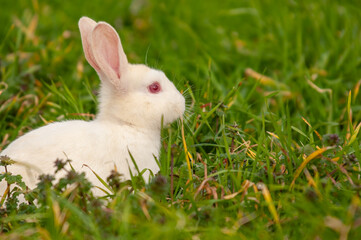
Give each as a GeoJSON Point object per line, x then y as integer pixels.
{"type": "Point", "coordinates": [133, 100]}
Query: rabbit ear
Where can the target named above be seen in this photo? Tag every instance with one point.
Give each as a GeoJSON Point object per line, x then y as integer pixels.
{"type": "Point", "coordinates": [86, 26]}
{"type": "Point", "coordinates": [108, 52]}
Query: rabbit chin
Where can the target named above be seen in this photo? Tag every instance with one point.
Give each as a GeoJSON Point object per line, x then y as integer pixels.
{"type": "Point", "coordinates": [135, 105]}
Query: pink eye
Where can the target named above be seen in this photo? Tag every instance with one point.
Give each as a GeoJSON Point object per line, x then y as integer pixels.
{"type": "Point", "coordinates": [154, 87]}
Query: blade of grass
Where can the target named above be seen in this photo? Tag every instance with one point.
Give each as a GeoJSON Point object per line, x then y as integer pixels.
{"type": "Point", "coordinates": [305, 162]}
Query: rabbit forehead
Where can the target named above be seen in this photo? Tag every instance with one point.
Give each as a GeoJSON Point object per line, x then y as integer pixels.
{"type": "Point", "coordinates": [141, 75]}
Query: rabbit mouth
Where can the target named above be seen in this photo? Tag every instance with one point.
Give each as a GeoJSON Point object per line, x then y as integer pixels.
{"type": "Point", "coordinates": [179, 111]}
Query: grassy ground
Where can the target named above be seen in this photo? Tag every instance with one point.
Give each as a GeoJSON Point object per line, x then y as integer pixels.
{"type": "Point", "coordinates": [275, 157]}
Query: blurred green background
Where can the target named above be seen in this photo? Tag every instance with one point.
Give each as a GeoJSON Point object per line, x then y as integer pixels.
{"type": "Point", "coordinates": [208, 44]}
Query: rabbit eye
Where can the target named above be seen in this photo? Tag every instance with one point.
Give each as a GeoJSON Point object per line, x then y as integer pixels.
{"type": "Point", "coordinates": [154, 87]}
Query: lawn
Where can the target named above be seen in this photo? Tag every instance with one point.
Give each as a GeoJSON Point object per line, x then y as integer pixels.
{"type": "Point", "coordinates": [269, 147]}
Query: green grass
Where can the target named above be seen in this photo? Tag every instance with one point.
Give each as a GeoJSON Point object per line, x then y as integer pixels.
{"type": "Point", "coordinates": [271, 159]}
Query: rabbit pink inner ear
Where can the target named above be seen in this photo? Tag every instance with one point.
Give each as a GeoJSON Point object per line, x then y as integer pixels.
{"type": "Point", "coordinates": [108, 52]}
{"type": "Point", "coordinates": [86, 26]}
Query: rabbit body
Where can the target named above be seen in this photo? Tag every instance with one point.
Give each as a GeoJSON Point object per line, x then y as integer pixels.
{"type": "Point", "coordinates": [105, 148]}
{"type": "Point", "coordinates": [133, 101]}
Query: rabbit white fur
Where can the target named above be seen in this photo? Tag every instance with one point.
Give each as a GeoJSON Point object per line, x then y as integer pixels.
{"type": "Point", "coordinates": [129, 118]}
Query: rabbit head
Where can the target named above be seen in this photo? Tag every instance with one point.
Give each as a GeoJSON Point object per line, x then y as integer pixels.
{"type": "Point", "coordinates": [131, 94]}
